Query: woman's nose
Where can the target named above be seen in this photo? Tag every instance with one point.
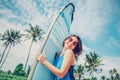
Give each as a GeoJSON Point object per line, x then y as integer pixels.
{"type": "Point", "coordinates": [71, 43]}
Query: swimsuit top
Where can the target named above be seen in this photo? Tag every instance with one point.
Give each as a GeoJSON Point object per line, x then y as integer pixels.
{"type": "Point", "coordinates": [69, 75]}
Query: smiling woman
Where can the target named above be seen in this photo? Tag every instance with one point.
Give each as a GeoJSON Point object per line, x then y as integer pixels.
{"type": "Point", "coordinates": [64, 63]}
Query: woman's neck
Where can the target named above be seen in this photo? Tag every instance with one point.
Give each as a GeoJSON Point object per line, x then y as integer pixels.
{"type": "Point", "coordinates": [62, 52]}
{"type": "Point", "coordinates": [64, 49]}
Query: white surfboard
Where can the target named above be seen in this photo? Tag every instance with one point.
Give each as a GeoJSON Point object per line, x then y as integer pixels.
{"type": "Point", "coordinates": [52, 44]}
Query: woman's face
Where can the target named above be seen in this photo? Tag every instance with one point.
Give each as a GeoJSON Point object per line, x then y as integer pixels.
{"type": "Point", "coordinates": [71, 43]}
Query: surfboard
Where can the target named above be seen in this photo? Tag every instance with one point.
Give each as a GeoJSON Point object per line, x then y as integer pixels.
{"type": "Point", "coordinates": [52, 43]}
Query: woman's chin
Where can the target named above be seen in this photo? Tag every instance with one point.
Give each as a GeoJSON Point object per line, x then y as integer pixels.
{"type": "Point", "coordinates": [67, 47]}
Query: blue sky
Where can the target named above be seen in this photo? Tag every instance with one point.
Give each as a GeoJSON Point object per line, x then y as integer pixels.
{"type": "Point", "coordinates": [97, 22]}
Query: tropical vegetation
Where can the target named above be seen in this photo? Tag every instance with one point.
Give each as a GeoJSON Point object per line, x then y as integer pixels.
{"type": "Point", "coordinates": [11, 37]}
{"type": "Point", "coordinates": [92, 65]}
{"type": "Point", "coordinates": [35, 33]}
{"type": "Point", "coordinates": [17, 74]}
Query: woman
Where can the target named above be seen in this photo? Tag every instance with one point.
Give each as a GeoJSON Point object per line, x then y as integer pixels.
{"type": "Point", "coordinates": [64, 64]}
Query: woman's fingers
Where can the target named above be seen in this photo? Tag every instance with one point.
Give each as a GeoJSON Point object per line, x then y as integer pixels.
{"type": "Point", "coordinates": [41, 57]}
{"type": "Point", "coordinates": [36, 57]}
{"type": "Point", "coordinates": [44, 54]}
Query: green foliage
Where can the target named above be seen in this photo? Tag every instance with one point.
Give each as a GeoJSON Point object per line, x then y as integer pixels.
{"type": "Point", "coordinates": [5, 76]}
{"type": "Point", "coordinates": [93, 61]}
{"type": "Point", "coordinates": [114, 75]}
{"type": "Point", "coordinates": [28, 71]}
{"type": "Point", "coordinates": [19, 70]}
{"type": "Point", "coordinates": [11, 38]}
{"type": "Point", "coordinates": [87, 79]}
{"type": "Point", "coordinates": [79, 71]}
{"type": "Point", "coordinates": [94, 78]}
{"type": "Point", "coordinates": [35, 33]}
{"type": "Point", "coordinates": [18, 74]}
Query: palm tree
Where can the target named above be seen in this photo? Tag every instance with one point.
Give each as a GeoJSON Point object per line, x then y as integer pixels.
{"type": "Point", "coordinates": [11, 38]}
{"type": "Point", "coordinates": [35, 33]}
{"type": "Point", "coordinates": [93, 61]}
{"type": "Point", "coordinates": [79, 71]}
{"type": "Point", "coordinates": [117, 76]}
{"type": "Point", "coordinates": [107, 79]}
{"type": "Point", "coordinates": [114, 74]}
{"type": "Point", "coordinates": [103, 78]}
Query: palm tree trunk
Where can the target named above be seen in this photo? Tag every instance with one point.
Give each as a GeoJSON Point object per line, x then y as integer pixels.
{"type": "Point", "coordinates": [4, 53]}
{"type": "Point", "coordinates": [80, 76]}
{"type": "Point", "coordinates": [28, 55]}
{"type": "Point", "coordinates": [92, 74]}
{"type": "Point", "coordinates": [6, 56]}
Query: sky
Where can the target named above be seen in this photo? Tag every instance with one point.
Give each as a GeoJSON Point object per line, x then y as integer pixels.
{"type": "Point", "coordinates": [97, 22]}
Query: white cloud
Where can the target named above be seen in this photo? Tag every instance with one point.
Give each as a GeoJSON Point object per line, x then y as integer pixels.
{"type": "Point", "coordinates": [87, 49]}
{"type": "Point", "coordinates": [5, 25]}
{"type": "Point", "coordinates": [31, 9]}
{"type": "Point", "coordinates": [110, 63]}
{"type": "Point", "coordinates": [118, 28]}
{"type": "Point", "coordinates": [18, 54]}
{"type": "Point", "coordinates": [7, 13]}
{"type": "Point", "coordinates": [113, 42]}
{"type": "Point", "coordinates": [91, 18]}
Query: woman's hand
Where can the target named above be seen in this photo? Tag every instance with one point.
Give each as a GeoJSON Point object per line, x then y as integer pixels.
{"type": "Point", "coordinates": [41, 58]}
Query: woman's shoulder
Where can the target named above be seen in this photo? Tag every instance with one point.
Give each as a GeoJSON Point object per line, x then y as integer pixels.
{"type": "Point", "coordinates": [69, 55]}
{"type": "Point", "coordinates": [69, 52]}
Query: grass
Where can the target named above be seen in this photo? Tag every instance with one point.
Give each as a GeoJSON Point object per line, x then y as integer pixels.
{"type": "Point", "coordinates": [4, 76]}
